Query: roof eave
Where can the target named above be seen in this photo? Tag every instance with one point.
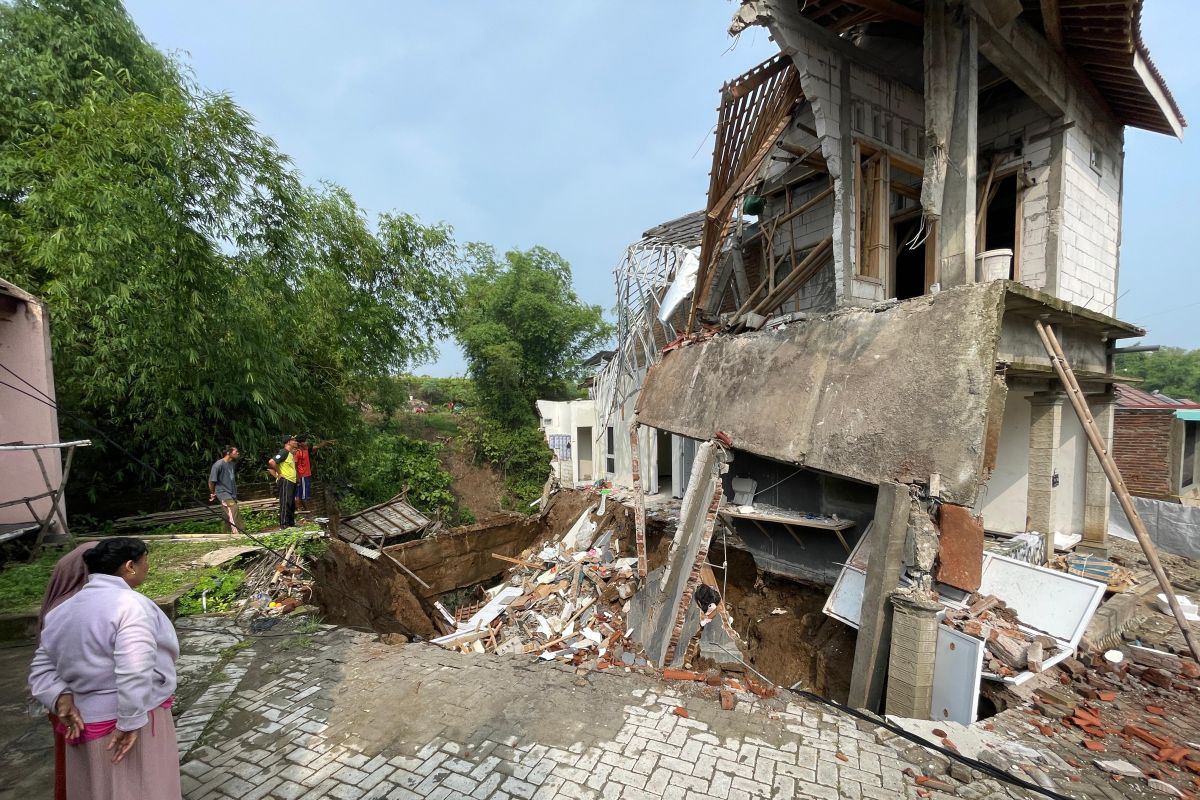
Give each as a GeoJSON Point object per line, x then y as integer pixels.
{"type": "Point", "coordinates": [1158, 92]}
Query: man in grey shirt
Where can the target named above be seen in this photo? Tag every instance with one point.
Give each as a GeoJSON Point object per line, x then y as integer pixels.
{"type": "Point", "coordinates": [222, 485]}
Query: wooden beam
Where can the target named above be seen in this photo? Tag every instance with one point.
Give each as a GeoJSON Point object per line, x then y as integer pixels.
{"type": "Point", "coordinates": [891, 9]}
{"type": "Point", "coordinates": [1052, 22]}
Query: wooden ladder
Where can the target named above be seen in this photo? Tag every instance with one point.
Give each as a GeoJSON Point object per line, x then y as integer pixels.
{"type": "Point", "coordinates": [1079, 403]}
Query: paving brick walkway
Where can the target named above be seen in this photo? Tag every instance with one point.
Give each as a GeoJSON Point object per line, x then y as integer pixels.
{"type": "Point", "coordinates": [345, 716]}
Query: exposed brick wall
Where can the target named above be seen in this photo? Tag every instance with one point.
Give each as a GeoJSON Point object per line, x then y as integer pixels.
{"type": "Point", "coordinates": [1142, 449]}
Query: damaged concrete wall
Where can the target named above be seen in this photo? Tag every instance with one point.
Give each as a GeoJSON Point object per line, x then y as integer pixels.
{"type": "Point", "coordinates": [850, 99]}
{"type": "Point", "coordinates": [463, 557]}
{"type": "Point", "coordinates": [868, 396]}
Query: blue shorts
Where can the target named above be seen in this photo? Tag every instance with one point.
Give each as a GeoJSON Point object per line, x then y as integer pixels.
{"type": "Point", "coordinates": [304, 487]}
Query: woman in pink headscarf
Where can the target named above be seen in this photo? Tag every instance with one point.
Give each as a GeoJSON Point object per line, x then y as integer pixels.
{"type": "Point", "coordinates": [69, 576]}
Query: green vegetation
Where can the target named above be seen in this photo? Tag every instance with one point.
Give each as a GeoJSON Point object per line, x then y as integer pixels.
{"type": "Point", "coordinates": [1173, 371]}
{"type": "Point", "coordinates": [22, 585]}
{"type": "Point", "coordinates": [525, 333]}
{"type": "Point", "coordinates": [216, 591]}
{"type": "Point", "coordinates": [201, 293]}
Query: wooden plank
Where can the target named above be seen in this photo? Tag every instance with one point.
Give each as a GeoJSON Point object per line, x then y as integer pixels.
{"type": "Point", "coordinates": [804, 522]}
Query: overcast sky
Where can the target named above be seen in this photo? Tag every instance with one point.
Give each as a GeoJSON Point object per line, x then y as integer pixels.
{"type": "Point", "coordinates": [579, 129]}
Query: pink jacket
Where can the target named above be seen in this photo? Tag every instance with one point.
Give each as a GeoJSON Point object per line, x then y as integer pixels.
{"type": "Point", "coordinates": [112, 648]}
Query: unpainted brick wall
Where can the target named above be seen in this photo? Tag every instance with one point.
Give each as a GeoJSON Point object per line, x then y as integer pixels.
{"type": "Point", "coordinates": [1142, 449]}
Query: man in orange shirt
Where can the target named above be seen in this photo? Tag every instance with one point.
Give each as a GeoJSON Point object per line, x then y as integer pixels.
{"type": "Point", "coordinates": [304, 470]}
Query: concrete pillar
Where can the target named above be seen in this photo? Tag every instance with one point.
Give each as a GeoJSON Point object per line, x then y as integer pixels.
{"type": "Point", "coordinates": [1045, 430]}
{"type": "Point", "coordinates": [952, 117]}
{"type": "Point", "coordinates": [1096, 488]}
{"type": "Point", "coordinates": [873, 645]}
{"type": "Point", "coordinates": [913, 649]}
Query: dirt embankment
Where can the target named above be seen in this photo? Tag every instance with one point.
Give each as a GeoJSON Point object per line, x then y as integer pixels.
{"type": "Point", "coordinates": [800, 645]}
{"type": "Point", "coordinates": [477, 487]}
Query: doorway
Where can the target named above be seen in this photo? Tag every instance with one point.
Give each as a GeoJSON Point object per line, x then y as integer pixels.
{"type": "Point", "coordinates": [910, 275]}
{"type": "Point", "coordinates": [663, 441]}
{"type": "Point", "coordinates": [583, 436]}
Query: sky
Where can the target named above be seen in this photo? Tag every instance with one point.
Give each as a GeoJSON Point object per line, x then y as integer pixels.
{"type": "Point", "coordinates": [579, 129]}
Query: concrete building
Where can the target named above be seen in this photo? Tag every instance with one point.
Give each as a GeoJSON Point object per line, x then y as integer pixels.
{"type": "Point", "coordinates": [1156, 444]}
{"type": "Point", "coordinates": [573, 436]}
{"type": "Point", "coordinates": [24, 418]}
{"type": "Point", "coordinates": [897, 200]}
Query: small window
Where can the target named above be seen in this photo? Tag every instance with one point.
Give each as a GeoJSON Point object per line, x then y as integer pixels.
{"type": "Point", "coordinates": [1097, 160]}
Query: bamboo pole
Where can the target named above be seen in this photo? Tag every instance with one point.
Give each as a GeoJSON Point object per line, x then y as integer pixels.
{"type": "Point", "coordinates": [1075, 394]}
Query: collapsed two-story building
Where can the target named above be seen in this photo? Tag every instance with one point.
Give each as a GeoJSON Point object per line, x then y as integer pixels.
{"type": "Point", "coordinates": [896, 199]}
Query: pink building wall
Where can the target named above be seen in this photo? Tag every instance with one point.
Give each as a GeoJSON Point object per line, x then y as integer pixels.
{"type": "Point", "coordinates": [25, 349]}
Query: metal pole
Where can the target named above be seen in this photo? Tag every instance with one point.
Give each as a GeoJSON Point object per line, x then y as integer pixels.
{"type": "Point", "coordinates": [1067, 376]}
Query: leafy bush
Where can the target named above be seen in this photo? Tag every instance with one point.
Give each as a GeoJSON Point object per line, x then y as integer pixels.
{"type": "Point", "coordinates": [385, 462]}
{"type": "Point", "coordinates": [521, 454]}
{"type": "Point", "coordinates": [221, 587]}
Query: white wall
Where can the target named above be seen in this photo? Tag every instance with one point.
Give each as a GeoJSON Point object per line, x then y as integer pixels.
{"type": "Point", "coordinates": [566, 417]}
{"type": "Point", "coordinates": [1071, 464]}
{"type": "Point", "coordinates": [1003, 503]}
{"type": "Point", "coordinates": [25, 349]}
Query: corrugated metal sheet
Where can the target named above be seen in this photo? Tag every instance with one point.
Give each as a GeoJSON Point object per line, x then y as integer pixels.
{"type": "Point", "coordinates": [393, 518]}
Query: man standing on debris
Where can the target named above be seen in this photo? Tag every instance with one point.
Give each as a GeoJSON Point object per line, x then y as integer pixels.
{"type": "Point", "coordinates": [222, 485]}
{"type": "Point", "coordinates": [303, 456]}
{"type": "Point", "coordinates": [283, 469]}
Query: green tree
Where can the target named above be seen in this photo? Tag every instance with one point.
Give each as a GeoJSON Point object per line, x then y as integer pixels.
{"type": "Point", "coordinates": [200, 294]}
{"type": "Point", "coordinates": [1172, 371]}
{"type": "Point", "coordinates": [524, 331]}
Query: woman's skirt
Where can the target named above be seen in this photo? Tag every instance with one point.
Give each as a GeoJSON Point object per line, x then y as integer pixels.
{"type": "Point", "coordinates": [149, 771]}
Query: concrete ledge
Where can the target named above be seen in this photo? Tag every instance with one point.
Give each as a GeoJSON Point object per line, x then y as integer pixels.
{"type": "Point", "coordinates": [22, 627]}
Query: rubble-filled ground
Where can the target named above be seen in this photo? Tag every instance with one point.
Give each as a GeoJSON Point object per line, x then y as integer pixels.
{"type": "Point", "coordinates": [338, 714]}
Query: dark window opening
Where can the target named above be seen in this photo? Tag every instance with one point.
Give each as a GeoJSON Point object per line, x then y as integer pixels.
{"type": "Point", "coordinates": [910, 261]}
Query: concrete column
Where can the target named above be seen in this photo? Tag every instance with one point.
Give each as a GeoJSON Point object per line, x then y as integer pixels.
{"type": "Point", "coordinates": [1045, 432]}
{"type": "Point", "coordinates": [913, 650]}
{"type": "Point", "coordinates": [952, 66]}
{"type": "Point", "coordinates": [1096, 488]}
{"type": "Point", "coordinates": [873, 645]}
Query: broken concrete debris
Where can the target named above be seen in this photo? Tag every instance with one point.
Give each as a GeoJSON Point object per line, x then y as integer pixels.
{"type": "Point", "coordinates": [564, 599]}
{"type": "Point", "coordinates": [1010, 650]}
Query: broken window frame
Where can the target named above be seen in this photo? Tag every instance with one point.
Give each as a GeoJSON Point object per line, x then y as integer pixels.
{"type": "Point", "coordinates": [875, 261]}
{"type": "Point", "coordinates": [991, 183]}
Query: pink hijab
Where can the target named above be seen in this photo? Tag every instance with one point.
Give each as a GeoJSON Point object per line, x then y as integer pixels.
{"type": "Point", "coordinates": [69, 576]}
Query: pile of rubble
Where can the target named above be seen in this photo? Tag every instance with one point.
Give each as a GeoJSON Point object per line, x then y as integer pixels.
{"type": "Point", "coordinates": [276, 586]}
{"type": "Point", "coordinates": [1133, 711]}
{"type": "Point", "coordinates": [561, 600]}
{"type": "Point", "coordinates": [1010, 650]}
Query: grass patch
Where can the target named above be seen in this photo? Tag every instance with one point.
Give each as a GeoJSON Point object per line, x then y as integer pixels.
{"type": "Point", "coordinates": [429, 425]}
{"type": "Point", "coordinates": [22, 585]}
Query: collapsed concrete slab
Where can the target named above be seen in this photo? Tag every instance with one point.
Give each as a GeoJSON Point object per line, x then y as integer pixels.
{"type": "Point", "coordinates": [861, 394]}
{"type": "Point", "coordinates": [659, 611]}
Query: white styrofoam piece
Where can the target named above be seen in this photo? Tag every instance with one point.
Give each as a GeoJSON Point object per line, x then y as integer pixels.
{"type": "Point", "coordinates": [956, 675]}
{"type": "Point", "coordinates": [481, 618]}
